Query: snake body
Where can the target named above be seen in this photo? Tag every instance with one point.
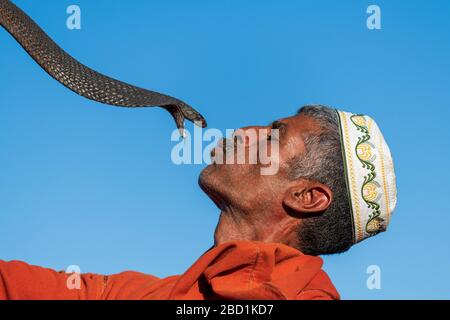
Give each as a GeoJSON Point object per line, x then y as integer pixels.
{"type": "Point", "coordinates": [82, 79]}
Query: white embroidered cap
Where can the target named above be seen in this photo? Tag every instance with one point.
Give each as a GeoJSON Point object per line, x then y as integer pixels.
{"type": "Point", "coordinates": [370, 174]}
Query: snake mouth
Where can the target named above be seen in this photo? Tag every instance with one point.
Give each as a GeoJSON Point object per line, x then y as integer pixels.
{"type": "Point", "coordinates": [192, 115]}
{"type": "Point", "coordinates": [182, 112]}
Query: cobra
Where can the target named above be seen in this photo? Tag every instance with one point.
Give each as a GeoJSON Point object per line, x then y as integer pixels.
{"type": "Point", "coordinates": [82, 79]}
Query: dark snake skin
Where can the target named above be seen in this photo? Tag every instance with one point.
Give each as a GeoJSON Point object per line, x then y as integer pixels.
{"type": "Point", "coordinates": [81, 79]}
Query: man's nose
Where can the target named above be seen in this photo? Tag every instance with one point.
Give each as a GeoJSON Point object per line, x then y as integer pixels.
{"type": "Point", "coordinates": [246, 135]}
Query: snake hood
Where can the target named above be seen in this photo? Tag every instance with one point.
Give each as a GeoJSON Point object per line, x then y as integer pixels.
{"type": "Point", "coordinates": [83, 80]}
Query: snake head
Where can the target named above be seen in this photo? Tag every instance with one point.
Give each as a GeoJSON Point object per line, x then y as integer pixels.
{"type": "Point", "coordinates": [182, 111]}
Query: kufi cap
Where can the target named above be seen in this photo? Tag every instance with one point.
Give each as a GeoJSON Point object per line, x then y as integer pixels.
{"type": "Point", "coordinates": [369, 173]}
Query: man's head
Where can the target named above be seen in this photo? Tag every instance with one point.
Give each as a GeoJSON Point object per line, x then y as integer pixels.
{"type": "Point", "coordinates": [306, 204]}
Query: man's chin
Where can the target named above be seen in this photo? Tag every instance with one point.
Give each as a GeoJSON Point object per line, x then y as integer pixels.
{"type": "Point", "coordinates": [205, 173]}
{"type": "Point", "coordinates": [209, 182]}
{"type": "Point", "coordinates": [215, 175]}
{"type": "Point", "coordinates": [209, 177]}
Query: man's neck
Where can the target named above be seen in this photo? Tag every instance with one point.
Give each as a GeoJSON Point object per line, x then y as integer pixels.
{"type": "Point", "coordinates": [234, 225]}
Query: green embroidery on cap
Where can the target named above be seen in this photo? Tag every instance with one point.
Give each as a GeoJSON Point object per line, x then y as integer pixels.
{"type": "Point", "coordinates": [347, 175]}
{"type": "Point", "coordinates": [369, 190]}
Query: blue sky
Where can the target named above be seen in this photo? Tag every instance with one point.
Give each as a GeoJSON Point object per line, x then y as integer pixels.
{"type": "Point", "coordinates": [92, 185]}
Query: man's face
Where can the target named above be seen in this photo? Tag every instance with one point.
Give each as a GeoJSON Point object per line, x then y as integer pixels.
{"type": "Point", "coordinates": [242, 186]}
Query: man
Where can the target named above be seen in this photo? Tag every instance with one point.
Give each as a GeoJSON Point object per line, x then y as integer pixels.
{"type": "Point", "coordinates": [335, 187]}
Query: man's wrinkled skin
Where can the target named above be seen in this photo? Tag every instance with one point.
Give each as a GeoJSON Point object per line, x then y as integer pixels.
{"type": "Point", "coordinates": [266, 208]}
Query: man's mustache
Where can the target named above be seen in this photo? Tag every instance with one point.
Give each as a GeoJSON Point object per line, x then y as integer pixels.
{"type": "Point", "coordinates": [227, 145]}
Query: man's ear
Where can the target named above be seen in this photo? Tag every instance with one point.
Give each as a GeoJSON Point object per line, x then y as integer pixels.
{"type": "Point", "coordinates": [308, 197]}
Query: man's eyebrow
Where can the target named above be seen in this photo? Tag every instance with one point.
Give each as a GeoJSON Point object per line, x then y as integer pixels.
{"type": "Point", "coordinates": [277, 124]}
{"type": "Point", "coordinates": [281, 126]}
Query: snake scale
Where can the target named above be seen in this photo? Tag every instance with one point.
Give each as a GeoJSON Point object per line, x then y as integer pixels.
{"type": "Point", "coordinates": [83, 80]}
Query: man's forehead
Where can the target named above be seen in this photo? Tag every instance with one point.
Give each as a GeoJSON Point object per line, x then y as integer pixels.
{"type": "Point", "coordinates": [299, 121]}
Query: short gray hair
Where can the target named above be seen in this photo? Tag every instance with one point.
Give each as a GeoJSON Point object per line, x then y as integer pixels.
{"type": "Point", "coordinates": [331, 231]}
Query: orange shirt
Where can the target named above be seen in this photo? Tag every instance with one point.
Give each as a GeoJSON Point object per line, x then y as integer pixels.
{"type": "Point", "coordinates": [234, 270]}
